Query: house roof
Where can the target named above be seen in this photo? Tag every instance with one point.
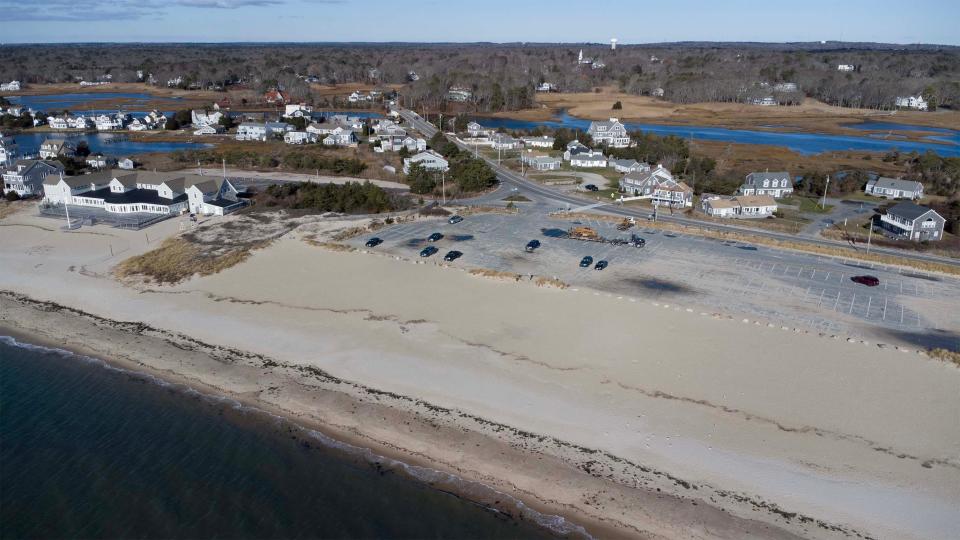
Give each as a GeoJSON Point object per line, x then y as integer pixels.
{"type": "Point", "coordinates": [626, 162]}
{"type": "Point", "coordinates": [721, 203]}
{"type": "Point", "coordinates": [758, 177]}
{"type": "Point", "coordinates": [99, 178]}
{"type": "Point", "coordinates": [134, 196]}
{"type": "Point", "coordinates": [756, 200]}
{"type": "Point", "coordinates": [909, 210]}
{"type": "Point", "coordinates": [896, 183]}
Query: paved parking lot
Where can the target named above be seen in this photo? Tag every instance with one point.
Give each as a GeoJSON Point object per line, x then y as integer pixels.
{"type": "Point", "coordinates": [782, 287]}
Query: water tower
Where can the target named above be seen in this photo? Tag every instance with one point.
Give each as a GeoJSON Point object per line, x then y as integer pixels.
{"type": "Point", "coordinates": [613, 44]}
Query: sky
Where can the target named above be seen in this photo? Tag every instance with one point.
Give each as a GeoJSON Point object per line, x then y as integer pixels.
{"type": "Point", "coordinates": [567, 21]}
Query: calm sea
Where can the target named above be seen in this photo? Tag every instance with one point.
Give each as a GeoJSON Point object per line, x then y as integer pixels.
{"type": "Point", "coordinates": [90, 451]}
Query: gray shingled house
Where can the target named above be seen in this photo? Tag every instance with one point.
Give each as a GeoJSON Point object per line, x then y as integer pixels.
{"type": "Point", "coordinates": [912, 222]}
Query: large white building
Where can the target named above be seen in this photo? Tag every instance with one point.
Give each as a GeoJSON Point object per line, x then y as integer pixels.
{"type": "Point", "coordinates": [611, 133]}
{"type": "Point", "coordinates": [128, 192]}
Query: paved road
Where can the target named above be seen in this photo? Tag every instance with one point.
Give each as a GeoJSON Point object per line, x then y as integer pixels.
{"type": "Point", "coordinates": [545, 194]}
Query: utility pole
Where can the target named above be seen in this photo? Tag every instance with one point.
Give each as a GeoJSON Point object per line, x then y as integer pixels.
{"type": "Point", "coordinates": [870, 234]}
{"type": "Point", "coordinates": [825, 189]}
{"type": "Point", "coordinates": [443, 186]}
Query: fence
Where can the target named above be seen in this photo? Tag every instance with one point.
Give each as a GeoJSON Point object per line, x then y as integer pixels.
{"type": "Point", "coordinates": [81, 215]}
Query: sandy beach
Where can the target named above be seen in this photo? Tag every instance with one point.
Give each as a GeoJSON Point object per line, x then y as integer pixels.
{"type": "Point", "coordinates": [628, 417]}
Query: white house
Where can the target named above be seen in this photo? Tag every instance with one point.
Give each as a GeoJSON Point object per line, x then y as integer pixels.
{"type": "Point", "coordinates": [8, 150]}
{"type": "Point", "coordinates": [657, 185]}
{"type": "Point", "coordinates": [100, 161]}
{"type": "Point", "coordinates": [742, 206]}
{"type": "Point", "coordinates": [106, 122]}
{"type": "Point", "coordinates": [502, 141]}
{"type": "Point", "coordinates": [538, 142]}
{"type": "Point", "coordinates": [476, 130]}
{"type": "Point", "coordinates": [775, 184]}
{"type": "Point", "coordinates": [628, 165]}
{"type": "Point", "coordinates": [57, 122]}
{"type": "Point", "coordinates": [299, 137]}
{"type": "Point", "coordinates": [391, 137]}
{"type": "Point", "coordinates": [574, 148]}
{"type": "Point", "coordinates": [912, 102]}
{"type": "Point", "coordinates": [341, 137]}
{"type": "Point", "coordinates": [542, 163]}
{"type": "Point", "coordinates": [79, 122]}
{"type": "Point", "coordinates": [546, 87]}
{"type": "Point", "coordinates": [26, 177]}
{"type": "Point", "coordinates": [719, 207]}
{"type": "Point", "coordinates": [612, 133]}
{"type": "Point", "coordinates": [209, 129]}
{"type": "Point", "coordinates": [459, 93]}
{"type": "Point", "coordinates": [12, 86]}
{"type": "Point", "coordinates": [126, 164]}
{"type": "Point", "coordinates": [205, 118]}
{"type": "Point", "coordinates": [54, 148]}
{"type": "Point", "coordinates": [846, 67]}
{"type": "Point", "coordinates": [415, 145]}
{"type": "Point", "coordinates": [429, 160]}
{"type": "Point", "coordinates": [251, 131]}
{"type": "Point", "coordinates": [588, 160]}
{"type": "Point", "coordinates": [300, 110]}
{"type": "Point", "coordinates": [785, 87]}
{"type": "Point", "coordinates": [894, 188]}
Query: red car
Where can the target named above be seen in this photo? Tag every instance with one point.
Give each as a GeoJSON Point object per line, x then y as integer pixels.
{"type": "Point", "coordinates": [869, 281]}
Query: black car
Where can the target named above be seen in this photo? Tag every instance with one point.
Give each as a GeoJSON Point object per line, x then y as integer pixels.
{"type": "Point", "coordinates": [591, 187]}
{"type": "Point", "coordinates": [434, 237]}
{"type": "Point", "coordinates": [428, 251]}
{"type": "Point", "coordinates": [869, 281]}
{"type": "Point", "coordinates": [374, 242]}
{"type": "Point", "coordinates": [454, 219]}
{"type": "Point", "coordinates": [452, 255]}
{"type": "Point", "coordinates": [532, 245]}
{"type": "Point", "coordinates": [636, 241]}
{"type": "Point", "coordinates": [600, 265]}
{"type": "Point", "coordinates": [586, 262]}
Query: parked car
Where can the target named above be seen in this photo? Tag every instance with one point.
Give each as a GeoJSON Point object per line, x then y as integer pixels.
{"type": "Point", "coordinates": [434, 237]}
{"type": "Point", "coordinates": [454, 219]}
{"type": "Point", "coordinates": [591, 187]}
{"type": "Point", "coordinates": [428, 251]}
{"type": "Point", "coordinates": [374, 242]}
{"type": "Point", "coordinates": [600, 265]}
{"type": "Point", "coordinates": [636, 241]}
{"type": "Point", "coordinates": [532, 245]}
{"type": "Point", "coordinates": [452, 255]}
{"type": "Point", "coordinates": [869, 281]}
{"type": "Point", "coordinates": [586, 262]}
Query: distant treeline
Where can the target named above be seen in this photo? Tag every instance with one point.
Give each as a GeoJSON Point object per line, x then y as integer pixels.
{"type": "Point", "coordinates": [505, 77]}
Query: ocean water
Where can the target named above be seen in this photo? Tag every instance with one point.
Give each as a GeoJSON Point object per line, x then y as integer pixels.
{"type": "Point", "coordinates": [803, 143]}
{"type": "Point", "coordinates": [90, 451]}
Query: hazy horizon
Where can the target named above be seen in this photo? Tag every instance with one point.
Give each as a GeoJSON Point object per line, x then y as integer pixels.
{"type": "Point", "coordinates": [929, 22]}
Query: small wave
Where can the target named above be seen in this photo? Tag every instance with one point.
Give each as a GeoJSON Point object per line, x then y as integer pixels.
{"type": "Point", "coordinates": [476, 492]}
